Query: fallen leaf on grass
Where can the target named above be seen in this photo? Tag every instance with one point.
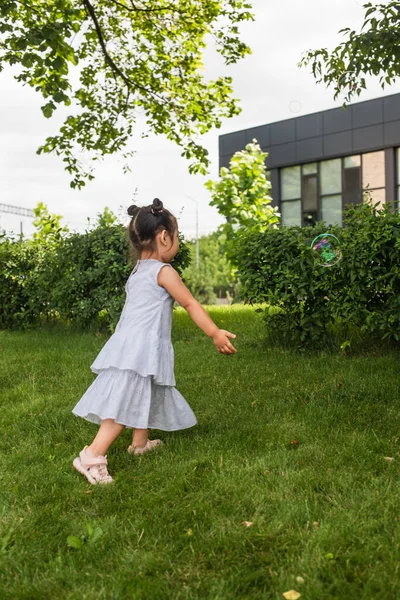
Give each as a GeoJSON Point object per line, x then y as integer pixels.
{"type": "Point", "coordinates": [247, 523]}
{"type": "Point", "coordinates": [291, 595]}
{"type": "Point", "coordinates": [189, 532]}
{"type": "Point", "coordinates": [88, 492]}
{"type": "Point", "coordinates": [315, 525]}
{"type": "Point", "coordinates": [300, 580]}
{"type": "Point", "coordinates": [388, 458]}
{"type": "Point", "coordinates": [266, 472]}
{"type": "Point", "coordinates": [294, 443]}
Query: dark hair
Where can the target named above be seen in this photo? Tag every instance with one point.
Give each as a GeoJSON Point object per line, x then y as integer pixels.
{"type": "Point", "coordinates": [146, 222]}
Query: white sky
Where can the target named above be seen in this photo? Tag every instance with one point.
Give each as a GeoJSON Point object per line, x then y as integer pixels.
{"type": "Point", "coordinates": [268, 83]}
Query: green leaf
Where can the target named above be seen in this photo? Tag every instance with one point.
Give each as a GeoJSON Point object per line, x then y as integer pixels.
{"type": "Point", "coordinates": [48, 109]}
{"type": "Point", "coordinates": [74, 542]}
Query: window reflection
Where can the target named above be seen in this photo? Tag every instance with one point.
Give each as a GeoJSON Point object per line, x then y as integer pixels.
{"type": "Point", "coordinates": [331, 176]}
{"type": "Point", "coordinates": [375, 197]}
{"type": "Point", "coordinates": [291, 213]}
{"type": "Point", "coordinates": [331, 209]}
{"type": "Point", "coordinates": [290, 183]}
{"type": "Point", "coordinates": [373, 170]}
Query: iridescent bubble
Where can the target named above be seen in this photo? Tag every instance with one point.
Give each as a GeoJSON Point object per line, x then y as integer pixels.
{"type": "Point", "coordinates": [326, 250]}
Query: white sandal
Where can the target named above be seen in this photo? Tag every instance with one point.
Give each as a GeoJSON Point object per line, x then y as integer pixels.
{"type": "Point", "coordinates": [150, 445]}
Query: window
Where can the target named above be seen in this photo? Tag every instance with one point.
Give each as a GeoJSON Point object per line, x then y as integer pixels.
{"type": "Point", "coordinates": [352, 180]}
{"type": "Point", "coordinates": [331, 191]}
{"type": "Point", "coordinates": [291, 213]}
{"type": "Point", "coordinates": [291, 183]}
{"type": "Point", "coordinates": [398, 178]}
{"type": "Point", "coordinates": [291, 196]}
{"type": "Point", "coordinates": [310, 199]}
{"type": "Point", "coordinates": [352, 161]}
{"type": "Point", "coordinates": [331, 209]}
{"type": "Point", "coordinates": [310, 169]}
{"type": "Point", "coordinates": [320, 191]}
{"type": "Point", "coordinates": [373, 177]}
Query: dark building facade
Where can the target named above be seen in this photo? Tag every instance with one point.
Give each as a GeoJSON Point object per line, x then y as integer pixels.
{"type": "Point", "coordinates": [320, 162]}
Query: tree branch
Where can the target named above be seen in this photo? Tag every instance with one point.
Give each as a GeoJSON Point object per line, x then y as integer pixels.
{"type": "Point", "coordinates": [29, 7]}
{"type": "Point", "coordinates": [100, 37]}
{"type": "Point", "coordinates": [135, 8]}
{"type": "Point", "coordinates": [114, 67]}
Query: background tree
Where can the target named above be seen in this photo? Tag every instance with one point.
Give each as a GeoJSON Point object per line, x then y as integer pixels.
{"type": "Point", "coordinates": [214, 277]}
{"type": "Point", "coordinates": [48, 226]}
{"type": "Point", "coordinates": [114, 60]}
{"type": "Point", "coordinates": [242, 195]}
{"type": "Point", "coordinates": [373, 51]}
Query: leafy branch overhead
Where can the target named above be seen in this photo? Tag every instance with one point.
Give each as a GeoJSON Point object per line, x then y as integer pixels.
{"type": "Point", "coordinates": [375, 50]}
{"type": "Point", "coordinates": [113, 61]}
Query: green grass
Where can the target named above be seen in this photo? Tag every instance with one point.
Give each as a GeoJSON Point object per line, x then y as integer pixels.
{"type": "Point", "coordinates": [326, 509]}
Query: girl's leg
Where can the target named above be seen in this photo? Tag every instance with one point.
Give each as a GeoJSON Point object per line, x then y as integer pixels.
{"type": "Point", "coordinates": [140, 438]}
{"type": "Point", "coordinates": [108, 432]}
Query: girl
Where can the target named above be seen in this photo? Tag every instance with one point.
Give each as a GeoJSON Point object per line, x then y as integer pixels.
{"type": "Point", "coordinates": [135, 380]}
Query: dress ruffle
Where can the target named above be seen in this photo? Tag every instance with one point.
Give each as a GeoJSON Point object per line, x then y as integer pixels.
{"type": "Point", "coordinates": [145, 353]}
{"type": "Point", "coordinates": [134, 401]}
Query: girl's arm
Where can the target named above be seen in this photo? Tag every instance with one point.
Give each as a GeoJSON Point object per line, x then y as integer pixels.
{"type": "Point", "coordinates": [170, 280]}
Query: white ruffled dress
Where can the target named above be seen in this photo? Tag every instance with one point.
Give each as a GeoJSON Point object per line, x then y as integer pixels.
{"type": "Point", "coordinates": [135, 383]}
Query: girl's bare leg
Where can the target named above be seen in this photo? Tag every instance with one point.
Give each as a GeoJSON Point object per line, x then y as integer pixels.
{"type": "Point", "coordinates": [108, 432]}
{"type": "Point", "coordinates": [140, 438]}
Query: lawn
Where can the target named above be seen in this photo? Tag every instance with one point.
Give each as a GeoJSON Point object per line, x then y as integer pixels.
{"type": "Point", "coordinates": [292, 444]}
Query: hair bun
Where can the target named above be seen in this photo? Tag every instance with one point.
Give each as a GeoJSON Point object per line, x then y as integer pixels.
{"type": "Point", "coordinates": [132, 210]}
{"type": "Point", "coordinates": [157, 206]}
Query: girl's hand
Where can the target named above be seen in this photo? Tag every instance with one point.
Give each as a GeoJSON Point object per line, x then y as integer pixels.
{"type": "Point", "coordinates": [220, 339]}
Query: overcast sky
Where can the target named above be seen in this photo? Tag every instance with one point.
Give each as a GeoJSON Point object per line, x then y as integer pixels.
{"type": "Point", "coordinates": [269, 84]}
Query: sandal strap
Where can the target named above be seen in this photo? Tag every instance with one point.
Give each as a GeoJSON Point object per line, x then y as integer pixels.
{"type": "Point", "coordinates": [90, 461]}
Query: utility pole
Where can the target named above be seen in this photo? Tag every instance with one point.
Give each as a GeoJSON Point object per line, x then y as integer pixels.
{"type": "Point", "coordinates": [197, 231]}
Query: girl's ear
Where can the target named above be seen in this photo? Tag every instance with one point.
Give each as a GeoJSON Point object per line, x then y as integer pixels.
{"type": "Point", "coordinates": [163, 236]}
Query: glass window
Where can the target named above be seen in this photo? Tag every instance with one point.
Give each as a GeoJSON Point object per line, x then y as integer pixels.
{"type": "Point", "coordinates": [331, 176]}
{"type": "Point", "coordinates": [331, 209]}
{"type": "Point", "coordinates": [398, 179]}
{"type": "Point", "coordinates": [352, 186]}
{"type": "Point", "coordinates": [373, 168]}
{"type": "Point", "coordinates": [376, 196]}
{"type": "Point", "coordinates": [291, 213]}
{"type": "Point", "coordinates": [310, 169]}
{"type": "Point", "coordinates": [310, 196]}
{"type": "Point", "coordinates": [291, 183]}
{"type": "Point", "coordinates": [398, 167]}
{"type": "Point", "coordinates": [352, 161]}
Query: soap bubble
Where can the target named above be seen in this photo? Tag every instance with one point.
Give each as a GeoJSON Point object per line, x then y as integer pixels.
{"type": "Point", "coordinates": [326, 250]}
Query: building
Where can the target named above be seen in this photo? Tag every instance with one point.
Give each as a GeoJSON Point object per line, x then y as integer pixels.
{"type": "Point", "coordinates": [320, 162]}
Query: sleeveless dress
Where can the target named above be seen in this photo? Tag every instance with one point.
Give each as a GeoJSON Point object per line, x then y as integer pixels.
{"type": "Point", "coordinates": [135, 383]}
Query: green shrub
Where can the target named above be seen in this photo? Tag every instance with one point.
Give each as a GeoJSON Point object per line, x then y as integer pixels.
{"type": "Point", "coordinates": [304, 299]}
{"type": "Point", "coordinates": [77, 277]}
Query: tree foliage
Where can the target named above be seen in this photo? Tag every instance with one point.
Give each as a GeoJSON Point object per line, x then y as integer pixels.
{"type": "Point", "coordinates": [375, 50]}
{"type": "Point", "coordinates": [112, 61]}
{"type": "Point", "coordinates": [214, 276]}
{"type": "Point", "coordinates": [242, 195]}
